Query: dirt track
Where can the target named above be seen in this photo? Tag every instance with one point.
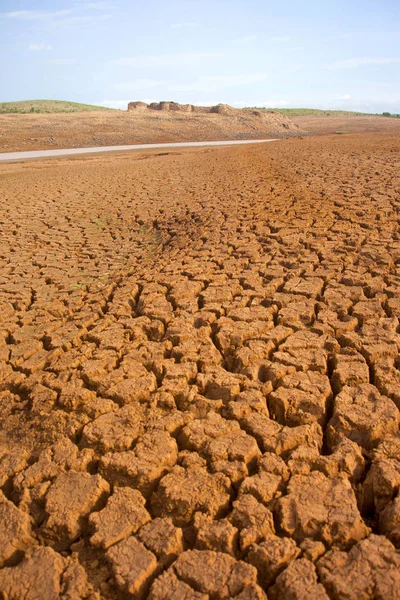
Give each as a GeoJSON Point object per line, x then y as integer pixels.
{"type": "Point", "coordinates": [40, 154]}
{"type": "Point", "coordinates": [200, 375]}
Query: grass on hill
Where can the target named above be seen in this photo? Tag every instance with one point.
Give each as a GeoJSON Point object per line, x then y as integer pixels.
{"type": "Point", "coordinates": [47, 106]}
{"type": "Point", "coordinates": [300, 112]}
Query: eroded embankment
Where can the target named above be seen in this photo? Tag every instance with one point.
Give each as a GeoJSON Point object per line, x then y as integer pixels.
{"type": "Point", "coordinates": [116, 128]}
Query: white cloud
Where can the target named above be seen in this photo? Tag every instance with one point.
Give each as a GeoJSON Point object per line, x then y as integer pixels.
{"type": "Point", "coordinates": [353, 63]}
{"type": "Point", "coordinates": [35, 15]}
{"type": "Point", "coordinates": [263, 104]}
{"type": "Point", "coordinates": [247, 38]}
{"type": "Point", "coordinates": [345, 97]}
{"type": "Point", "coordinates": [100, 5]}
{"type": "Point", "coordinates": [273, 103]}
{"type": "Point", "coordinates": [77, 20]}
{"type": "Point", "coordinates": [212, 83]}
{"type": "Point", "coordinates": [39, 47]}
{"type": "Point", "coordinates": [165, 60]}
{"type": "Point", "coordinates": [279, 39]}
{"type": "Point", "coordinates": [63, 61]}
{"type": "Point", "coordinates": [121, 104]}
{"type": "Point", "coordinates": [182, 25]}
{"type": "Point", "coordinates": [139, 84]}
{"type": "Point", "coordinates": [59, 17]}
{"type": "Point", "coordinates": [341, 36]}
{"type": "Point", "coordinates": [204, 102]}
{"type": "Point", "coordinates": [292, 49]}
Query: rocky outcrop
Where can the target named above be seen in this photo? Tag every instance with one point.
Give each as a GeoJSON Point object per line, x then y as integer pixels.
{"type": "Point", "coordinates": [256, 118]}
{"type": "Point", "coordinates": [176, 107]}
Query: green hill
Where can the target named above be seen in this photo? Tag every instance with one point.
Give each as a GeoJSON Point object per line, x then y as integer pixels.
{"type": "Point", "coordinates": [47, 106]}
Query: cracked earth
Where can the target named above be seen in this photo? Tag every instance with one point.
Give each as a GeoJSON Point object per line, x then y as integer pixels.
{"type": "Point", "coordinates": [200, 374]}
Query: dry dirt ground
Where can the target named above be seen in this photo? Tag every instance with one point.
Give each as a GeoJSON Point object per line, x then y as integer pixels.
{"type": "Point", "coordinates": [200, 375]}
{"type": "Point", "coordinates": [326, 125]}
{"type": "Point", "coordinates": [113, 128]}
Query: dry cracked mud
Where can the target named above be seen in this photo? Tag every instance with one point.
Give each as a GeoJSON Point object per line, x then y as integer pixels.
{"type": "Point", "coordinates": [200, 374]}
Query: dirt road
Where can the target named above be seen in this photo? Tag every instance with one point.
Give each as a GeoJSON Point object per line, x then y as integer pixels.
{"type": "Point", "coordinates": [37, 154]}
{"type": "Point", "coordinates": [200, 373]}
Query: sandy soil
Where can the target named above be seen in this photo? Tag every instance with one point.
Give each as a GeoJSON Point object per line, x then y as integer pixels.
{"type": "Point", "coordinates": [327, 125]}
{"type": "Point", "coordinates": [200, 382]}
{"type": "Point", "coordinates": [116, 128]}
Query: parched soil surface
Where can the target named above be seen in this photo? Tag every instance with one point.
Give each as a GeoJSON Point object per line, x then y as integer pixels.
{"type": "Point", "coordinates": [200, 376]}
{"type": "Point", "coordinates": [330, 124]}
{"type": "Point", "coordinates": [116, 128]}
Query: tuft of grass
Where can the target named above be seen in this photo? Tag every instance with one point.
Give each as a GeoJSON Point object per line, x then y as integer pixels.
{"type": "Point", "coordinates": [47, 106]}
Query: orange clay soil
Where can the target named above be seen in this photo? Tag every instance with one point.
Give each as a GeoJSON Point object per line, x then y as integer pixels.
{"type": "Point", "coordinates": [200, 377]}
{"type": "Point", "coordinates": [329, 124]}
{"type": "Point", "coordinates": [113, 128]}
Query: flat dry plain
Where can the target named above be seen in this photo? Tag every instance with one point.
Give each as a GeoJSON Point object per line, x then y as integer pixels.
{"type": "Point", "coordinates": [320, 124]}
{"type": "Point", "coordinates": [200, 375]}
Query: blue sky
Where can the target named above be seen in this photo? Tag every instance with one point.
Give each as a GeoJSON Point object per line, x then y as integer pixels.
{"type": "Point", "coordinates": [298, 53]}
